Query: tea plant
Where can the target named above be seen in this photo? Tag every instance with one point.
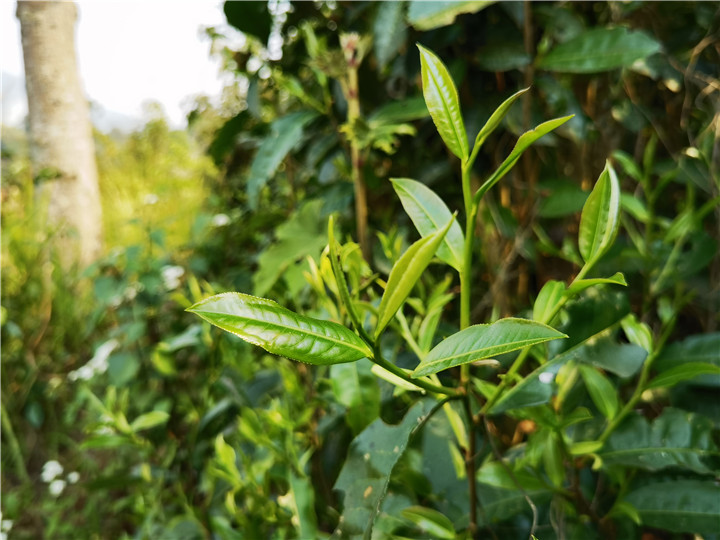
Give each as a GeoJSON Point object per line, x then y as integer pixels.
{"type": "Point", "coordinates": [568, 411]}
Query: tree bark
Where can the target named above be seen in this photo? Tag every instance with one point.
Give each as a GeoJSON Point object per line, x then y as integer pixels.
{"type": "Point", "coordinates": [62, 147]}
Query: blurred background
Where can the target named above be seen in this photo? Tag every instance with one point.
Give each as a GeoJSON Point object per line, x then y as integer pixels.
{"type": "Point", "coordinates": [175, 150]}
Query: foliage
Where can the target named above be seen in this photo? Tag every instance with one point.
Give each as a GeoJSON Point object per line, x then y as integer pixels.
{"type": "Point", "coordinates": [539, 358]}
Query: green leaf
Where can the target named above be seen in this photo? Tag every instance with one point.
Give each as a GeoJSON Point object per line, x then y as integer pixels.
{"type": "Point", "coordinates": [149, 420]}
{"type": "Point", "coordinates": [365, 475]}
{"type": "Point", "coordinates": [430, 521]}
{"type": "Point", "coordinates": [681, 373]}
{"type": "Point", "coordinates": [355, 387]}
{"type": "Point", "coordinates": [389, 31]}
{"type": "Point", "coordinates": [303, 505]}
{"type": "Point", "coordinates": [525, 140]}
{"type": "Point", "coordinates": [547, 299]}
{"type": "Point", "coordinates": [679, 506]}
{"type": "Point", "coordinates": [601, 391]}
{"type": "Point", "coordinates": [599, 49]}
{"type": "Point", "coordinates": [397, 112]}
{"type": "Point", "coordinates": [499, 504]}
{"type": "Point", "coordinates": [252, 18]}
{"type": "Point", "coordinates": [675, 439]}
{"type": "Point", "coordinates": [442, 101]}
{"type": "Point", "coordinates": [301, 235]}
{"type": "Point", "coordinates": [699, 348]}
{"type": "Point", "coordinates": [495, 119]}
{"type": "Point", "coordinates": [424, 15]}
{"type": "Point", "coordinates": [493, 473]}
{"type": "Point", "coordinates": [580, 285]}
{"type": "Point", "coordinates": [484, 341]}
{"type": "Point", "coordinates": [429, 214]}
{"type": "Point", "coordinates": [624, 360]}
{"type": "Point", "coordinates": [600, 218]}
{"type": "Point", "coordinates": [285, 134]}
{"type": "Point", "coordinates": [405, 273]}
{"type": "Point", "coordinates": [279, 331]}
{"type": "Point", "coordinates": [503, 57]}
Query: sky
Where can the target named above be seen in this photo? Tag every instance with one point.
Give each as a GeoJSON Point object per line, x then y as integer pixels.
{"type": "Point", "coordinates": [129, 52]}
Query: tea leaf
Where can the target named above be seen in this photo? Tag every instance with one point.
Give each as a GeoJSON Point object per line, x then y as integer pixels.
{"type": "Point", "coordinates": [484, 341]}
{"type": "Point", "coordinates": [389, 31]}
{"type": "Point", "coordinates": [405, 273]}
{"type": "Point", "coordinates": [679, 506]}
{"type": "Point", "coordinates": [600, 218]}
{"type": "Point", "coordinates": [424, 15]}
{"type": "Point", "coordinates": [674, 439]}
{"type": "Point", "coordinates": [683, 372]}
{"type": "Point", "coordinates": [601, 391]}
{"type": "Point", "coordinates": [548, 297]}
{"type": "Point", "coordinates": [149, 420]}
{"type": "Point", "coordinates": [442, 101]}
{"type": "Point", "coordinates": [495, 119]}
{"type": "Point", "coordinates": [599, 49]}
{"type": "Point", "coordinates": [431, 521]}
{"type": "Point", "coordinates": [429, 213]}
{"type": "Point", "coordinates": [580, 285]}
{"type": "Point", "coordinates": [279, 331]}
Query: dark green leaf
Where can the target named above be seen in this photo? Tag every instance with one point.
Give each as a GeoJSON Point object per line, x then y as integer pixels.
{"type": "Point", "coordinates": [303, 506]}
{"type": "Point", "coordinates": [429, 214]}
{"type": "Point", "coordinates": [680, 506]}
{"type": "Point", "coordinates": [442, 101]}
{"type": "Point", "coordinates": [601, 391]}
{"type": "Point", "coordinates": [405, 273]}
{"type": "Point", "coordinates": [364, 477]}
{"type": "Point", "coordinates": [683, 372]}
{"type": "Point", "coordinates": [599, 49]}
{"type": "Point", "coordinates": [699, 348]}
{"type": "Point", "coordinates": [250, 18]}
{"type": "Point", "coordinates": [503, 57]}
{"type": "Point", "coordinates": [285, 134]}
{"type": "Point", "coordinates": [600, 218]}
{"type": "Point", "coordinates": [624, 360]}
{"type": "Point", "coordinates": [279, 331]}
{"type": "Point", "coordinates": [355, 387]}
{"type": "Point", "coordinates": [485, 341]}
{"type": "Point", "coordinates": [674, 439]}
{"type": "Point", "coordinates": [496, 474]}
{"type": "Point", "coordinates": [389, 31]}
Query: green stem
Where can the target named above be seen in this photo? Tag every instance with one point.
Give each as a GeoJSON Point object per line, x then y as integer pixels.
{"type": "Point", "coordinates": [9, 436]}
{"type": "Point", "coordinates": [420, 383]}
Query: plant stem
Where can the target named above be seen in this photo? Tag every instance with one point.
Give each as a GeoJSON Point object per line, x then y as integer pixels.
{"type": "Point", "coordinates": [421, 383]}
{"type": "Point", "coordinates": [9, 435]}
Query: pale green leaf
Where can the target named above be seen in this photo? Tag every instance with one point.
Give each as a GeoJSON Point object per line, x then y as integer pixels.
{"type": "Point", "coordinates": [495, 119]}
{"type": "Point", "coordinates": [426, 15]}
{"type": "Point", "coordinates": [547, 299]}
{"type": "Point", "coordinates": [429, 214]}
{"type": "Point", "coordinates": [580, 285]}
{"type": "Point", "coordinates": [599, 49]}
{"type": "Point", "coordinates": [601, 390]}
{"type": "Point", "coordinates": [523, 143]}
{"type": "Point", "coordinates": [600, 219]}
{"type": "Point", "coordinates": [431, 521]}
{"type": "Point", "coordinates": [405, 273]}
{"type": "Point", "coordinates": [483, 341]}
{"type": "Point", "coordinates": [149, 420]}
{"type": "Point", "coordinates": [442, 101]}
{"type": "Point", "coordinates": [280, 331]}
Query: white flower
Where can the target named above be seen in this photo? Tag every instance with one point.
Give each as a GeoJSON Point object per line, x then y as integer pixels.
{"type": "Point", "coordinates": [73, 477]}
{"type": "Point", "coordinates": [151, 199]}
{"type": "Point", "coordinates": [99, 362]}
{"type": "Point", "coordinates": [171, 276]}
{"type": "Point", "coordinates": [6, 526]}
{"type": "Point", "coordinates": [56, 487]}
{"type": "Point", "coordinates": [51, 470]}
{"type": "Point", "coordinates": [546, 377]}
{"type": "Point", "coordinates": [220, 220]}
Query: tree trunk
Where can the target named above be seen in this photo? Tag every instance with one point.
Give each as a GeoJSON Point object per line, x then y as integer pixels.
{"type": "Point", "coordinates": [62, 146]}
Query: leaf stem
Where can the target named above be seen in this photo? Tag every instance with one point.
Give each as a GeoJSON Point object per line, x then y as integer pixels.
{"type": "Point", "coordinates": [421, 383]}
